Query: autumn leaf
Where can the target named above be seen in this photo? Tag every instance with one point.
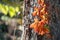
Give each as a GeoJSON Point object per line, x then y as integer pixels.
{"type": "Point", "coordinates": [42, 33]}
{"type": "Point", "coordinates": [39, 25]}
{"type": "Point", "coordinates": [34, 13]}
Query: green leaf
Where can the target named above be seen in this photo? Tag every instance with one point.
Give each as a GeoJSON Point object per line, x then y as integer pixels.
{"type": "Point", "coordinates": [17, 9]}
{"type": "Point", "coordinates": [5, 9]}
{"type": "Point", "coordinates": [11, 11]}
{"type": "Point", "coordinates": [46, 26]}
{"type": "Point", "coordinates": [5, 18]}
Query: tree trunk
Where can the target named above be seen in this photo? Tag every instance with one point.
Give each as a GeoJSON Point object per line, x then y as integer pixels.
{"type": "Point", "coordinates": [53, 8]}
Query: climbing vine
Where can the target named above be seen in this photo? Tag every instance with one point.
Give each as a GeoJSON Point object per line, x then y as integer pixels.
{"type": "Point", "coordinates": [40, 25]}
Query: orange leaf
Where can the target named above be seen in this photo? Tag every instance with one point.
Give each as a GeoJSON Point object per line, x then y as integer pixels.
{"type": "Point", "coordinates": [32, 25]}
{"type": "Point", "coordinates": [34, 13]}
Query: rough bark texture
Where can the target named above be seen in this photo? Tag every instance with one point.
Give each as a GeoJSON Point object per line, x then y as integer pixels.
{"type": "Point", "coordinates": [53, 8]}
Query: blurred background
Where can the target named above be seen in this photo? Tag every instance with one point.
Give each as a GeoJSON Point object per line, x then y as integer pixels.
{"type": "Point", "coordinates": [11, 12]}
